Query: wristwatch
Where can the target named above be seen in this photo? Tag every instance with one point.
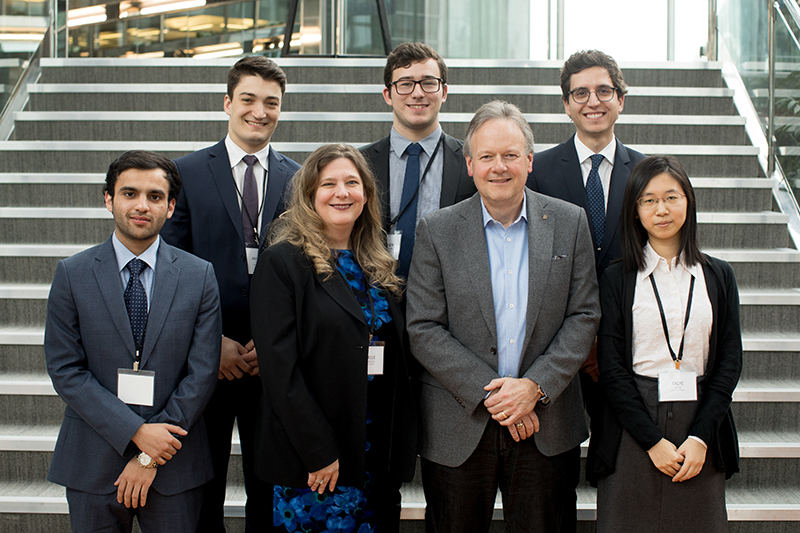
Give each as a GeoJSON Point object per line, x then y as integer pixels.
{"type": "Point", "coordinates": [146, 461]}
{"type": "Point", "coordinates": [543, 398]}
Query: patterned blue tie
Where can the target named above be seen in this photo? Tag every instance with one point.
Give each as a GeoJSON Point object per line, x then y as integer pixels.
{"type": "Point", "coordinates": [597, 200]}
{"type": "Point", "coordinates": [408, 220]}
{"type": "Point", "coordinates": [136, 300]}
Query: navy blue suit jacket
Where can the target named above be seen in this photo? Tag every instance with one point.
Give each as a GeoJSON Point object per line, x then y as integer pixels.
{"type": "Point", "coordinates": [557, 173]}
{"type": "Point", "coordinates": [207, 222]}
{"type": "Point", "coordinates": [88, 337]}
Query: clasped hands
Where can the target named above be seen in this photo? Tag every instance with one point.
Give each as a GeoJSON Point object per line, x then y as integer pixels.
{"type": "Point", "coordinates": [511, 402]}
{"type": "Point", "coordinates": [680, 463]}
{"type": "Point", "coordinates": [237, 360]}
{"type": "Point", "coordinates": [159, 442]}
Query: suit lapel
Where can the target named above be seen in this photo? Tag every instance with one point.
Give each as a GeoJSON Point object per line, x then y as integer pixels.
{"type": "Point", "coordinates": [619, 178]}
{"type": "Point", "coordinates": [541, 231]}
{"type": "Point", "coordinates": [476, 260]}
{"type": "Point", "coordinates": [276, 183]}
{"type": "Point", "coordinates": [106, 273]}
{"type": "Point", "coordinates": [572, 176]}
{"type": "Point", "coordinates": [451, 168]}
{"type": "Point", "coordinates": [164, 286]}
{"type": "Point", "coordinates": [337, 288]}
{"type": "Point", "coordinates": [379, 157]}
{"type": "Point", "coordinates": [220, 167]}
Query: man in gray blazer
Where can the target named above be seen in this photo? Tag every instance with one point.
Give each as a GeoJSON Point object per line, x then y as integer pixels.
{"type": "Point", "coordinates": [415, 79]}
{"type": "Point", "coordinates": [132, 343]}
{"type": "Point", "coordinates": [502, 310]}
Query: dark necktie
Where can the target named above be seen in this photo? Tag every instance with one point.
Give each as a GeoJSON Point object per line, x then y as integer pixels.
{"type": "Point", "coordinates": [136, 301]}
{"type": "Point", "coordinates": [408, 220]}
{"type": "Point", "coordinates": [597, 200]}
{"type": "Point", "coordinates": [250, 203]}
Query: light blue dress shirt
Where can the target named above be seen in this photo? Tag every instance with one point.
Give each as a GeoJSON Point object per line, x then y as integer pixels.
{"type": "Point", "coordinates": [508, 264]}
{"type": "Point", "coordinates": [430, 190]}
{"type": "Point", "coordinates": [149, 256]}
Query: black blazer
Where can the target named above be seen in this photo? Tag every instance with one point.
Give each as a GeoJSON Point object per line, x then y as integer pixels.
{"type": "Point", "coordinates": [624, 407]}
{"type": "Point", "coordinates": [457, 184]}
{"type": "Point", "coordinates": [557, 173]}
{"type": "Point", "coordinates": [312, 340]}
{"type": "Point", "coordinates": [207, 222]}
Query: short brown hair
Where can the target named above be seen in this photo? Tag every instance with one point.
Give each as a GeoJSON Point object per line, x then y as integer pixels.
{"type": "Point", "coordinates": [255, 66]}
{"type": "Point", "coordinates": [587, 59]}
{"type": "Point", "coordinates": [407, 53]}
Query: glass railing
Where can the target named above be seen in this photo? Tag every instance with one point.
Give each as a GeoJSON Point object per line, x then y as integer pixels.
{"type": "Point", "coordinates": [744, 27]}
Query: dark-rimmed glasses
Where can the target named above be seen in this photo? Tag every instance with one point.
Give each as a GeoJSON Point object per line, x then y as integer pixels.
{"type": "Point", "coordinates": [406, 86]}
{"type": "Point", "coordinates": [651, 202]}
{"type": "Point", "coordinates": [604, 94]}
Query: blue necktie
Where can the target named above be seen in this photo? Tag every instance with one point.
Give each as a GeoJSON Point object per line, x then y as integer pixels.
{"type": "Point", "coordinates": [408, 220]}
{"type": "Point", "coordinates": [136, 301]}
{"type": "Point", "coordinates": [249, 202]}
{"type": "Point", "coordinates": [597, 200]}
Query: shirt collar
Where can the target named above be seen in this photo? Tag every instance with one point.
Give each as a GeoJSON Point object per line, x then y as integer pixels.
{"type": "Point", "coordinates": [652, 261]}
{"type": "Point", "coordinates": [523, 213]}
{"type": "Point", "coordinates": [400, 143]}
{"type": "Point", "coordinates": [584, 153]}
{"type": "Point", "coordinates": [235, 153]}
{"type": "Point", "coordinates": [124, 255]}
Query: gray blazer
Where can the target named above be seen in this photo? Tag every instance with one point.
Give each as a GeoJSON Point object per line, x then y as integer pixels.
{"type": "Point", "coordinates": [88, 337]}
{"type": "Point", "coordinates": [452, 328]}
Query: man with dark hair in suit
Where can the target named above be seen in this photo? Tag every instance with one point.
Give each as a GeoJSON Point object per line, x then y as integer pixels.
{"type": "Point", "coordinates": [502, 309]}
{"type": "Point", "coordinates": [232, 193]}
{"type": "Point", "coordinates": [419, 168]}
{"type": "Point", "coordinates": [592, 164]}
{"type": "Point", "coordinates": [132, 345]}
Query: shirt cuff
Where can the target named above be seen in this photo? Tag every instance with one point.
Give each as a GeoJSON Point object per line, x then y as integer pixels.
{"type": "Point", "coordinates": [698, 439]}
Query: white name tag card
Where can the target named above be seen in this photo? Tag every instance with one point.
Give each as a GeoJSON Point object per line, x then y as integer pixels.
{"type": "Point", "coordinates": [677, 386]}
{"type": "Point", "coordinates": [136, 388]}
{"type": "Point", "coordinates": [252, 259]}
{"type": "Point", "coordinates": [393, 241]}
{"type": "Point", "coordinates": [375, 358]}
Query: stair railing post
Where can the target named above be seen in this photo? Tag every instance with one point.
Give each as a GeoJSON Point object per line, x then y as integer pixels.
{"type": "Point", "coordinates": [771, 99]}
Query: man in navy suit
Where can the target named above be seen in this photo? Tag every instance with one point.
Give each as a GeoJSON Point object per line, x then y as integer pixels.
{"type": "Point", "coordinates": [415, 79]}
{"type": "Point", "coordinates": [132, 345]}
{"type": "Point", "coordinates": [232, 193]}
{"type": "Point", "coordinates": [593, 91]}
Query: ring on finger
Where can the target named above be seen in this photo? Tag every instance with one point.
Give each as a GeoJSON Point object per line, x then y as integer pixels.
{"type": "Point", "coordinates": [520, 425]}
{"type": "Point", "coordinates": [505, 416]}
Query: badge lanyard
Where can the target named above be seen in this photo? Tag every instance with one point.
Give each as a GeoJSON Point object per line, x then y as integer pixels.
{"type": "Point", "coordinates": [425, 173]}
{"type": "Point", "coordinates": [677, 358]}
{"type": "Point", "coordinates": [260, 207]}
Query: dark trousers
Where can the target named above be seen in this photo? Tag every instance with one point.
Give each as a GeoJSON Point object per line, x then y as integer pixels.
{"type": "Point", "coordinates": [178, 513]}
{"type": "Point", "coordinates": [538, 491]}
{"type": "Point", "coordinates": [238, 401]}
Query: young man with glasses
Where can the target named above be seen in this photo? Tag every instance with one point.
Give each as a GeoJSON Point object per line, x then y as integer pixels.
{"type": "Point", "coordinates": [415, 79]}
{"type": "Point", "coordinates": [591, 168]}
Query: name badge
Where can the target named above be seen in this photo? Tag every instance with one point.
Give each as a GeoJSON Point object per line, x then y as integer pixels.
{"type": "Point", "coordinates": [252, 259]}
{"type": "Point", "coordinates": [677, 386]}
{"type": "Point", "coordinates": [393, 240]}
{"type": "Point", "coordinates": [136, 388]}
{"type": "Point", "coordinates": [375, 358]}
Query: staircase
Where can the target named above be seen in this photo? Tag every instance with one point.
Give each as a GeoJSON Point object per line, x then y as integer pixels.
{"type": "Point", "coordinates": [85, 112]}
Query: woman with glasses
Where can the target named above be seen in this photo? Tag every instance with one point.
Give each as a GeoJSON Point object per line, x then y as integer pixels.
{"type": "Point", "coordinates": [337, 433]}
{"type": "Point", "coordinates": [670, 353]}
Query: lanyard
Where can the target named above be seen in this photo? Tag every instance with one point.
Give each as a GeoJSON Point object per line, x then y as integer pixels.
{"type": "Point", "coordinates": [260, 207]}
{"type": "Point", "coordinates": [140, 346]}
{"type": "Point", "coordinates": [427, 168]}
{"type": "Point", "coordinates": [675, 358]}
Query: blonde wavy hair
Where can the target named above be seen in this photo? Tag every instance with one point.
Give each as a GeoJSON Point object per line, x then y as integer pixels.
{"type": "Point", "coordinates": [301, 226]}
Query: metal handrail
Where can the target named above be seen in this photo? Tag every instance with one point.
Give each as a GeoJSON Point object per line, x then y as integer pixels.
{"type": "Point", "coordinates": [19, 95]}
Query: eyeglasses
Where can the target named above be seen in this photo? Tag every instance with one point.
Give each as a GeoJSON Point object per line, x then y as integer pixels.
{"type": "Point", "coordinates": [651, 202]}
{"type": "Point", "coordinates": [604, 94]}
{"type": "Point", "coordinates": [406, 86]}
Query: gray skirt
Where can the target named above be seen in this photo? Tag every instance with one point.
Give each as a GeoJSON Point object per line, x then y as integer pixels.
{"type": "Point", "coordinates": [639, 498]}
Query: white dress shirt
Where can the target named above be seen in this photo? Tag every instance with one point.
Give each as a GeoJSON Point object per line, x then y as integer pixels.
{"type": "Point", "coordinates": [260, 170]}
{"type": "Point", "coordinates": [606, 167]}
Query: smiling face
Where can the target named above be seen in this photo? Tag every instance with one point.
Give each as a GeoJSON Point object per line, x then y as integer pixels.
{"type": "Point", "coordinates": [499, 166]}
{"type": "Point", "coordinates": [254, 111]}
{"type": "Point", "coordinates": [339, 200]}
{"type": "Point", "coordinates": [594, 120]}
{"type": "Point", "coordinates": [663, 224]}
{"type": "Point", "coordinates": [140, 207]}
{"type": "Point", "coordinates": [416, 115]}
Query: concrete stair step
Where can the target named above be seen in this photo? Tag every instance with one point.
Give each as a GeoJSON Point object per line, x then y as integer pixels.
{"type": "Point", "coordinates": [762, 268]}
{"type": "Point", "coordinates": [51, 190]}
{"type": "Point", "coordinates": [733, 194]}
{"type": "Point", "coordinates": [743, 230]}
